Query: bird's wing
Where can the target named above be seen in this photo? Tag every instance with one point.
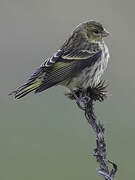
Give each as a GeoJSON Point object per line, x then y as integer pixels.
{"type": "Point", "coordinates": [63, 65]}
{"type": "Point", "coordinates": [75, 54]}
{"type": "Point", "coordinates": [76, 47]}
{"type": "Point", "coordinates": [66, 65]}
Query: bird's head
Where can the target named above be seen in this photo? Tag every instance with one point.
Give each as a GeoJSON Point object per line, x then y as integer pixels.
{"type": "Point", "coordinates": [94, 31]}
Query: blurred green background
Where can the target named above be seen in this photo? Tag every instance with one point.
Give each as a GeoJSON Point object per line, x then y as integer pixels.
{"type": "Point", "coordinates": [46, 136]}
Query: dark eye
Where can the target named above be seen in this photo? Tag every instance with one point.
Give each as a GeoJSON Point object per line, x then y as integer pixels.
{"type": "Point", "coordinates": [96, 31]}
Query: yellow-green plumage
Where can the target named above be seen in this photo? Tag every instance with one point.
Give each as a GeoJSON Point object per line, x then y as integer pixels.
{"type": "Point", "coordinates": [25, 90]}
{"type": "Point", "coordinates": [79, 63]}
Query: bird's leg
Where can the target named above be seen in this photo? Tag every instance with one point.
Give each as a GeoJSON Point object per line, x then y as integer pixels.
{"type": "Point", "coordinates": [83, 97]}
{"type": "Point", "coordinates": [73, 93]}
{"type": "Point", "coordinates": [77, 95]}
{"type": "Point", "coordinates": [80, 97]}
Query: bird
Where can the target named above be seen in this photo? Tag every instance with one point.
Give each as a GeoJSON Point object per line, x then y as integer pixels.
{"type": "Point", "coordinates": [78, 64]}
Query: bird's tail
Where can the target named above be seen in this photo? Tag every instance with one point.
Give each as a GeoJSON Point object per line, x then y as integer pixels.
{"type": "Point", "coordinates": [32, 84]}
{"type": "Point", "coordinates": [25, 89]}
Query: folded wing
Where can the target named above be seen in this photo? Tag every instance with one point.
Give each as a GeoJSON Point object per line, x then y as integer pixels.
{"type": "Point", "coordinates": [64, 64]}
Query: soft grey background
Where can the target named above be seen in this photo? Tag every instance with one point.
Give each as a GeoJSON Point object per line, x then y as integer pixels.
{"type": "Point", "coordinates": [46, 136]}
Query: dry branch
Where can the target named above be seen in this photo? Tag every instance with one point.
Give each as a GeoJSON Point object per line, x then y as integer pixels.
{"type": "Point", "coordinates": [85, 101]}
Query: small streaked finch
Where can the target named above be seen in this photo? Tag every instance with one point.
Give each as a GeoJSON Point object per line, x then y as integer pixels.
{"type": "Point", "coordinates": [78, 64]}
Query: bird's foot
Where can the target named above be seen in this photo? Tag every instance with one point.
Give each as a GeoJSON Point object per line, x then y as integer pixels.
{"type": "Point", "coordinates": [83, 97]}
{"type": "Point", "coordinates": [73, 93]}
{"type": "Point", "coordinates": [80, 97]}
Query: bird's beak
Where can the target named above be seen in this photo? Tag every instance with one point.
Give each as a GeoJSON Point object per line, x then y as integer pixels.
{"type": "Point", "coordinates": [105, 33]}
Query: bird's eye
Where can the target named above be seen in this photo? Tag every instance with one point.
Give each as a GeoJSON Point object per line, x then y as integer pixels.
{"type": "Point", "coordinates": [96, 31]}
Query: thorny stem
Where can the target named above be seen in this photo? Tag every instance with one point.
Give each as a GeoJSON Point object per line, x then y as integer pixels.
{"type": "Point", "coordinates": [85, 101]}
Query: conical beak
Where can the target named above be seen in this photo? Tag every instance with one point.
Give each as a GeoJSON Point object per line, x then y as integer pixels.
{"type": "Point", "coordinates": [105, 33]}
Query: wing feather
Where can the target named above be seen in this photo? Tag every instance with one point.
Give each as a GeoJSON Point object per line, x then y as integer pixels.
{"type": "Point", "coordinates": [63, 70]}
{"type": "Point", "coordinates": [57, 75]}
{"type": "Point", "coordinates": [75, 54]}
